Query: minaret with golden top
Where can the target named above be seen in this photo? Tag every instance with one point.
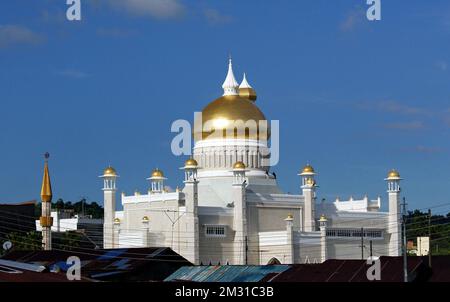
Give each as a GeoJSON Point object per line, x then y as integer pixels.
{"type": "Point", "coordinates": [46, 219]}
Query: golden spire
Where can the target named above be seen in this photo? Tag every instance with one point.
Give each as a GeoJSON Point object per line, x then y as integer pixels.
{"type": "Point", "coordinates": [46, 190]}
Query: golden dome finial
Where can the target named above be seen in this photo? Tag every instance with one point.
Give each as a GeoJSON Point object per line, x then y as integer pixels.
{"type": "Point", "coordinates": [157, 173]}
{"type": "Point", "coordinates": [46, 189]}
{"type": "Point", "coordinates": [191, 163]}
{"type": "Point", "coordinates": [393, 174]}
{"type": "Point", "coordinates": [239, 165]}
{"type": "Point", "coordinates": [308, 169]}
{"type": "Point", "coordinates": [109, 171]}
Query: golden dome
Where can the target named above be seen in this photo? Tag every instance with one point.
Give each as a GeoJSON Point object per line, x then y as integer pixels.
{"type": "Point", "coordinates": [110, 171]}
{"type": "Point", "coordinates": [290, 216]}
{"type": "Point", "coordinates": [393, 174]}
{"type": "Point", "coordinates": [248, 93]}
{"type": "Point", "coordinates": [116, 220]}
{"type": "Point", "coordinates": [323, 218]}
{"type": "Point", "coordinates": [145, 219]}
{"type": "Point", "coordinates": [233, 113]}
{"type": "Point", "coordinates": [239, 165]}
{"type": "Point", "coordinates": [157, 173]}
{"type": "Point", "coordinates": [308, 169]}
{"type": "Point", "coordinates": [191, 163]}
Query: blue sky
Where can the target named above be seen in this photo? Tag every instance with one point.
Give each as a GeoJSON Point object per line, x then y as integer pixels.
{"type": "Point", "coordinates": [354, 98]}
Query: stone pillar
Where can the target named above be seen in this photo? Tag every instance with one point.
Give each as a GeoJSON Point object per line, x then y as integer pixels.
{"type": "Point", "coordinates": [323, 238]}
{"type": "Point", "coordinates": [240, 214]}
{"type": "Point", "coordinates": [290, 258]}
{"type": "Point", "coordinates": [109, 206]}
{"type": "Point", "coordinates": [191, 201]}
{"type": "Point", "coordinates": [309, 194]}
{"type": "Point", "coordinates": [395, 215]}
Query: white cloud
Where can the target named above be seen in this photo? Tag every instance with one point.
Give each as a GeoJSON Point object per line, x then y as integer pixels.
{"type": "Point", "coordinates": [161, 9]}
{"type": "Point", "coordinates": [394, 107]}
{"type": "Point", "coordinates": [11, 35]}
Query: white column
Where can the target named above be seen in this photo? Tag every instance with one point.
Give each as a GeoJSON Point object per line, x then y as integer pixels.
{"type": "Point", "coordinates": [395, 227]}
{"type": "Point", "coordinates": [46, 222]}
{"type": "Point", "coordinates": [192, 229]}
{"type": "Point", "coordinates": [290, 240]}
{"type": "Point", "coordinates": [308, 193]}
{"type": "Point", "coordinates": [109, 208]}
{"type": "Point", "coordinates": [240, 222]}
{"type": "Point", "coordinates": [323, 238]}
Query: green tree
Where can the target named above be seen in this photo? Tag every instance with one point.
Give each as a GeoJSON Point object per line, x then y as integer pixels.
{"type": "Point", "coordinates": [31, 241]}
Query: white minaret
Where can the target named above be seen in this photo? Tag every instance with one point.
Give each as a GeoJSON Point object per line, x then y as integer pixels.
{"type": "Point", "coordinates": [109, 206]}
{"type": "Point", "coordinates": [230, 85]}
{"type": "Point", "coordinates": [290, 239]}
{"type": "Point", "coordinates": [394, 228]}
{"type": "Point", "coordinates": [309, 194]}
{"type": "Point", "coordinates": [191, 201]}
{"type": "Point", "coordinates": [157, 181]}
{"type": "Point", "coordinates": [46, 220]}
{"type": "Point", "coordinates": [240, 214]}
{"type": "Point", "coordinates": [323, 238]}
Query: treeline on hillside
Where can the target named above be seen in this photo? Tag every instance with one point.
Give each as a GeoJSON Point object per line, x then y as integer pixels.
{"type": "Point", "coordinates": [417, 223]}
{"type": "Point", "coordinates": [82, 207]}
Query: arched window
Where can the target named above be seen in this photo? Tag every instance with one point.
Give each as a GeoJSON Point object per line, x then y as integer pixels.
{"type": "Point", "coordinates": [273, 261]}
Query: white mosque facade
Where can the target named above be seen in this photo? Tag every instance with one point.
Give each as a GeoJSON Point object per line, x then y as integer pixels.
{"type": "Point", "coordinates": [231, 210]}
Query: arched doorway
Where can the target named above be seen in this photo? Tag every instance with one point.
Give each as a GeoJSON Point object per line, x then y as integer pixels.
{"type": "Point", "coordinates": [273, 261]}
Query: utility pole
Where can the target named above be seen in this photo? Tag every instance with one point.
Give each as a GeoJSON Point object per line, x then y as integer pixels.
{"type": "Point", "coordinates": [429, 238]}
{"type": "Point", "coordinates": [405, 260]}
{"type": "Point", "coordinates": [371, 254]}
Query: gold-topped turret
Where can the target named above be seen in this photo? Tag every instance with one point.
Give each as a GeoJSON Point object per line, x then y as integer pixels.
{"type": "Point", "coordinates": [308, 169]}
{"type": "Point", "coordinates": [109, 171]}
{"type": "Point", "coordinates": [191, 163]}
{"type": "Point", "coordinates": [157, 173]}
{"type": "Point", "coordinates": [239, 165]}
{"type": "Point", "coordinates": [393, 174]}
{"type": "Point", "coordinates": [46, 190]}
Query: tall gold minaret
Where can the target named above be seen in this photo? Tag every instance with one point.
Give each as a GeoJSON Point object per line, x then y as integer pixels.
{"type": "Point", "coordinates": [46, 219]}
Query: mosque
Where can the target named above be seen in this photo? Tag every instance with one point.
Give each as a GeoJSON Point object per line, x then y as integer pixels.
{"type": "Point", "coordinates": [230, 208]}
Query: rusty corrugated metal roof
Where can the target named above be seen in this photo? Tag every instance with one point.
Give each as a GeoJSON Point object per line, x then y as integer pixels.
{"type": "Point", "coordinates": [127, 264]}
